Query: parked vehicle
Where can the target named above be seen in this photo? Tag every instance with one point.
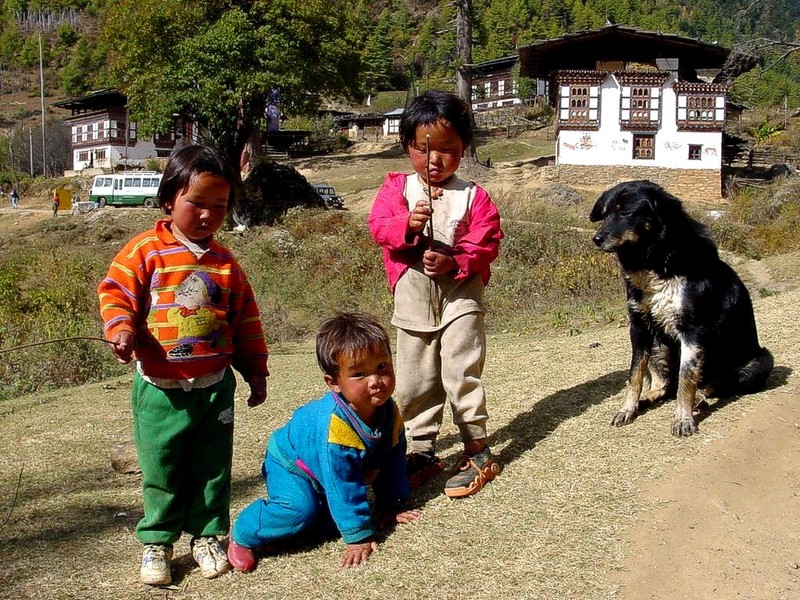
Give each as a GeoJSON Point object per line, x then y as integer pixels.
{"type": "Point", "coordinates": [130, 188]}
{"type": "Point", "coordinates": [329, 195]}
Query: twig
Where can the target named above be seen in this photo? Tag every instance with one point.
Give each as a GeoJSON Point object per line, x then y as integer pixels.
{"type": "Point", "coordinates": [56, 341]}
{"type": "Point", "coordinates": [16, 497]}
{"type": "Point", "coordinates": [428, 187]}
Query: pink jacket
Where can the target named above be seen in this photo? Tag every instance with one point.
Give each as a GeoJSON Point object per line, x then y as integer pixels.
{"type": "Point", "coordinates": [388, 223]}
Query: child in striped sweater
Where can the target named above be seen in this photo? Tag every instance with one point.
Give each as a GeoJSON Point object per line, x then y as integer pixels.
{"type": "Point", "coordinates": [178, 303]}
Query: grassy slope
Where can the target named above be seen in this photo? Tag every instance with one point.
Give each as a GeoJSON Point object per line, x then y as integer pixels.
{"type": "Point", "coordinates": [551, 526]}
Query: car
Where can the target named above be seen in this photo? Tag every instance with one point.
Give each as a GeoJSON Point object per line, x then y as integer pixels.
{"type": "Point", "coordinates": [328, 195]}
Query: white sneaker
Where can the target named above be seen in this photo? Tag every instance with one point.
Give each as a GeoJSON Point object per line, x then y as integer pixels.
{"type": "Point", "coordinates": [156, 563]}
{"type": "Point", "coordinates": [210, 556]}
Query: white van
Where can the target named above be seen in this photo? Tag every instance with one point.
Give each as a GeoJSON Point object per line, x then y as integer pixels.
{"type": "Point", "coordinates": [130, 188]}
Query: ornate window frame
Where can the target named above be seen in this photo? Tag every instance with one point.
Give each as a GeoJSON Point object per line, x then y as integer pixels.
{"type": "Point", "coordinates": [640, 100]}
{"type": "Point", "coordinates": [578, 104]}
{"type": "Point", "coordinates": [700, 106]}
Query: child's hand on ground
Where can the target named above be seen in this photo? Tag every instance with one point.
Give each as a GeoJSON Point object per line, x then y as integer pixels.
{"type": "Point", "coordinates": [258, 390]}
{"type": "Point", "coordinates": [403, 518]}
{"type": "Point", "coordinates": [419, 217]}
{"type": "Point", "coordinates": [436, 262]}
{"type": "Point", "coordinates": [358, 554]}
{"type": "Point", "coordinates": [122, 346]}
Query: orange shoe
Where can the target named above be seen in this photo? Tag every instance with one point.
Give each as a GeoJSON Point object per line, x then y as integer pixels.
{"type": "Point", "coordinates": [471, 473]}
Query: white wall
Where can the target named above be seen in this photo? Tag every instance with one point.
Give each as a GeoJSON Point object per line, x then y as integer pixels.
{"type": "Point", "coordinates": [610, 146]}
{"type": "Point", "coordinates": [138, 153]}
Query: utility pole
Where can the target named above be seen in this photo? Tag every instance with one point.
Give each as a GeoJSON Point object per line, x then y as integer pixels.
{"type": "Point", "coordinates": [30, 147]}
{"type": "Point", "coordinates": [41, 88]}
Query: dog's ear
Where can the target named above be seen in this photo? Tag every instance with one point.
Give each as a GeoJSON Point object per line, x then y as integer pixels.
{"type": "Point", "coordinates": [664, 205]}
{"type": "Point", "coordinates": [598, 211]}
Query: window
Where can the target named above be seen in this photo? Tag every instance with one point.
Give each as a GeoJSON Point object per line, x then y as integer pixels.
{"type": "Point", "coordinates": [640, 107]}
{"type": "Point", "coordinates": [578, 103]}
{"type": "Point", "coordinates": [700, 108]}
{"type": "Point", "coordinates": [501, 87]}
{"type": "Point", "coordinates": [644, 146]}
{"type": "Point", "coordinates": [640, 104]}
{"type": "Point", "coordinates": [393, 126]}
{"type": "Point", "coordinates": [100, 154]}
{"type": "Point", "coordinates": [695, 151]}
{"type": "Point", "coordinates": [83, 156]}
{"type": "Point", "coordinates": [487, 89]}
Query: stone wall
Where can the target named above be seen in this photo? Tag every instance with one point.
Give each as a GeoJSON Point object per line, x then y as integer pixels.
{"type": "Point", "coordinates": [687, 184]}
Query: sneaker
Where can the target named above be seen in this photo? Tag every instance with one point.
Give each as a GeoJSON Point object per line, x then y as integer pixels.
{"type": "Point", "coordinates": [210, 556]}
{"type": "Point", "coordinates": [156, 563]}
{"type": "Point", "coordinates": [242, 558]}
{"type": "Point", "coordinates": [471, 473]}
{"type": "Point", "coordinates": [422, 466]}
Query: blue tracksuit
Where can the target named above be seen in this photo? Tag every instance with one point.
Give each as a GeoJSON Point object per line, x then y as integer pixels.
{"type": "Point", "coordinates": [323, 459]}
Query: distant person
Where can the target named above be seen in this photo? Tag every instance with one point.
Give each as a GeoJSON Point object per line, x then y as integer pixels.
{"type": "Point", "coordinates": [319, 465]}
{"type": "Point", "coordinates": [14, 196]}
{"type": "Point", "coordinates": [179, 303]}
{"type": "Point", "coordinates": [56, 202]}
{"type": "Point", "coordinates": [439, 236]}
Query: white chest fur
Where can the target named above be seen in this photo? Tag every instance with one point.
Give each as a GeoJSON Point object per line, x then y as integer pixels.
{"type": "Point", "coordinates": [661, 298]}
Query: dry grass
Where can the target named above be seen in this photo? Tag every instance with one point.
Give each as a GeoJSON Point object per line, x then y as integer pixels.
{"type": "Point", "coordinates": [551, 526]}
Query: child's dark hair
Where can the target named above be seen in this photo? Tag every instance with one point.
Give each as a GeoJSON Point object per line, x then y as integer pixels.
{"type": "Point", "coordinates": [433, 106]}
{"type": "Point", "coordinates": [189, 162]}
{"type": "Point", "coordinates": [348, 334]}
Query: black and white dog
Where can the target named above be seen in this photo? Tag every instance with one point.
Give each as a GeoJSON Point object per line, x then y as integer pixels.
{"type": "Point", "coordinates": [691, 317]}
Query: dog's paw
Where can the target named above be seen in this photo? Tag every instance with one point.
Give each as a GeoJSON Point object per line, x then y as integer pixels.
{"type": "Point", "coordinates": [623, 417]}
{"type": "Point", "coordinates": [684, 426]}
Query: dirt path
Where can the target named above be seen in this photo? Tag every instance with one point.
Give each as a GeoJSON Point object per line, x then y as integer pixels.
{"type": "Point", "coordinates": [727, 525]}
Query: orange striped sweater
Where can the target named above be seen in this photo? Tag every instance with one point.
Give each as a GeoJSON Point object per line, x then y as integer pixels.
{"type": "Point", "coordinates": [191, 316]}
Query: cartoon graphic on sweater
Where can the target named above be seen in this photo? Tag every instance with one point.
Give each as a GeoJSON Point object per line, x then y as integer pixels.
{"type": "Point", "coordinates": [189, 315]}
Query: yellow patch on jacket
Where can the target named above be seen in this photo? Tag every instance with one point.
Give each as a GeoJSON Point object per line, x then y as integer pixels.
{"type": "Point", "coordinates": [340, 432]}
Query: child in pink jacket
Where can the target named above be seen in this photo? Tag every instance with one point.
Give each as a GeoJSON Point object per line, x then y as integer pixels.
{"type": "Point", "coordinates": [439, 236]}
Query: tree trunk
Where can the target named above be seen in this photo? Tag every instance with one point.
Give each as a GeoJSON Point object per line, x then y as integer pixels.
{"type": "Point", "coordinates": [463, 72]}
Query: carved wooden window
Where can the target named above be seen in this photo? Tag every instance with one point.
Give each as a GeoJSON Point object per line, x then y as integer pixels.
{"type": "Point", "coordinates": [579, 103]}
{"type": "Point", "coordinates": [579, 107]}
{"type": "Point", "coordinates": [701, 111]}
{"type": "Point", "coordinates": [644, 146]}
{"type": "Point", "coordinates": [639, 107]}
{"type": "Point", "coordinates": [695, 152]}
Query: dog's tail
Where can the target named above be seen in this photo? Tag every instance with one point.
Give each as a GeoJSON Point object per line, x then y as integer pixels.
{"type": "Point", "coordinates": [747, 379]}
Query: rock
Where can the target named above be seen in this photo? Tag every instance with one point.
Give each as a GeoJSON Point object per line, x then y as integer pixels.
{"type": "Point", "coordinates": [124, 459]}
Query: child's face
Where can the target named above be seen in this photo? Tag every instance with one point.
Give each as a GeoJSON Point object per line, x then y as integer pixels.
{"type": "Point", "coordinates": [199, 210]}
{"type": "Point", "coordinates": [446, 150]}
{"type": "Point", "coordinates": [366, 380]}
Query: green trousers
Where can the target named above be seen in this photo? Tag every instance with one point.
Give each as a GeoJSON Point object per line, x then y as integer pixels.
{"type": "Point", "coordinates": [184, 441]}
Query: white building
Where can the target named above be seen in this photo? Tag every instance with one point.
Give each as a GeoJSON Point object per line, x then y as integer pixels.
{"type": "Point", "coordinates": [630, 104]}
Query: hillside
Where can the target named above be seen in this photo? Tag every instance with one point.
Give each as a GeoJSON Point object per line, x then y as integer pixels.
{"type": "Point", "coordinates": [582, 510]}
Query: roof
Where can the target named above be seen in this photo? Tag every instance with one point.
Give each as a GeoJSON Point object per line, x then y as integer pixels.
{"type": "Point", "coordinates": [490, 67]}
{"type": "Point", "coordinates": [96, 100]}
{"type": "Point", "coordinates": [582, 50]}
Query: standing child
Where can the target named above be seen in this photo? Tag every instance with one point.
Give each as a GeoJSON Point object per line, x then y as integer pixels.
{"type": "Point", "coordinates": [55, 202]}
{"type": "Point", "coordinates": [179, 303]}
{"type": "Point", "coordinates": [319, 465]}
{"type": "Point", "coordinates": [439, 235]}
{"type": "Point", "coordinates": [14, 198]}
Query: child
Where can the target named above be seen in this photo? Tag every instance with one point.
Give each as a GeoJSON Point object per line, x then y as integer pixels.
{"type": "Point", "coordinates": [178, 302]}
{"type": "Point", "coordinates": [319, 465]}
{"type": "Point", "coordinates": [439, 234]}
